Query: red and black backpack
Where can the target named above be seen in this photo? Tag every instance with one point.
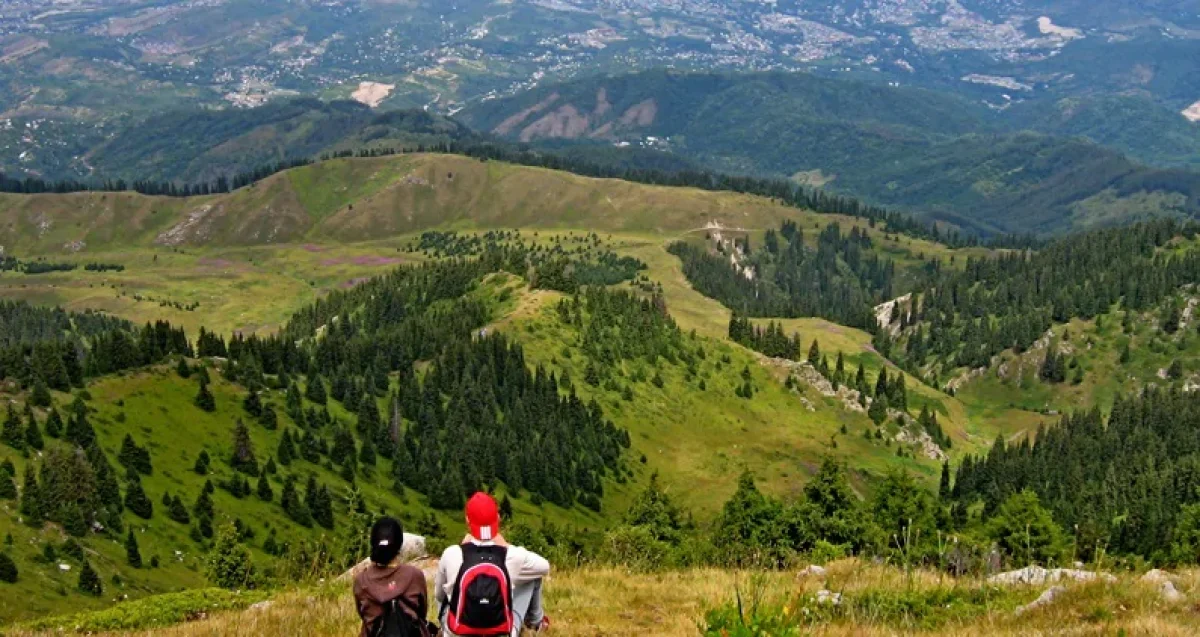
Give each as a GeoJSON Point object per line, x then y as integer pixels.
{"type": "Point", "coordinates": [481, 602]}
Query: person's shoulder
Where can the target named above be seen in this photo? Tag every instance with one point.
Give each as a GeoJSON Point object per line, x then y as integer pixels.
{"type": "Point", "coordinates": [452, 551]}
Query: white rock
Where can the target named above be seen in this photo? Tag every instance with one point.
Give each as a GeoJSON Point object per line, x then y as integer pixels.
{"type": "Point", "coordinates": [828, 597]}
{"type": "Point", "coordinates": [263, 605]}
{"type": "Point", "coordinates": [812, 570]}
{"type": "Point", "coordinates": [1038, 575]}
{"type": "Point", "coordinates": [1170, 594]}
{"type": "Point", "coordinates": [64, 567]}
{"type": "Point", "coordinates": [1155, 576]}
{"type": "Point", "coordinates": [1044, 599]}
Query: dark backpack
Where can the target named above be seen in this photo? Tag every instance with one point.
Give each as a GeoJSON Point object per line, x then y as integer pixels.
{"type": "Point", "coordinates": [481, 601]}
{"type": "Point", "coordinates": [396, 623]}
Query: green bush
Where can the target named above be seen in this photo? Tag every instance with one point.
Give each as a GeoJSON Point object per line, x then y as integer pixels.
{"type": "Point", "coordinates": [160, 610]}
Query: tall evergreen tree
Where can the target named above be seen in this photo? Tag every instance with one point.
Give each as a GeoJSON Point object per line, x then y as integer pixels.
{"type": "Point", "coordinates": [89, 581]}
{"type": "Point", "coordinates": [204, 397]}
{"type": "Point", "coordinates": [132, 554]}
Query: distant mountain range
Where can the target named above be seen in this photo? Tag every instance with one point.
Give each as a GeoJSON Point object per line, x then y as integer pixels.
{"type": "Point", "coordinates": [916, 148]}
{"type": "Point", "coordinates": [1028, 169]}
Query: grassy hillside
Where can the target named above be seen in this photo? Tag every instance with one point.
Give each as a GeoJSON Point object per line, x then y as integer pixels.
{"type": "Point", "coordinates": [877, 600]}
{"type": "Point", "coordinates": [905, 147]}
{"type": "Point", "coordinates": [694, 430]}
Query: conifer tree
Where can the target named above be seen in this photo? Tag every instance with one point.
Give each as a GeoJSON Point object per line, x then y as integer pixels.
{"type": "Point", "coordinates": [132, 555]}
{"type": "Point", "coordinates": [287, 449]}
{"type": "Point", "coordinates": [203, 461]}
{"type": "Point", "coordinates": [263, 490]}
{"type": "Point", "coordinates": [89, 581]}
{"type": "Point", "coordinates": [8, 569]}
{"type": "Point", "coordinates": [944, 483]}
{"type": "Point", "coordinates": [292, 505]}
{"type": "Point", "coordinates": [8, 488]}
{"type": "Point", "coordinates": [229, 564]}
{"type": "Point", "coordinates": [183, 369]}
{"type": "Point", "coordinates": [177, 512]}
{"type": "Point", "coordinates": [54, 424]}
{"type": "Point", "coordinates": [243, 459]}
{"type": "Point", "coordinates": [33, 435]}
{"type": "Point", "coordinates": [204, 397]}
{"type": "Point", "coordinates": [13, 433]}
{"type": "Point", "coordinates": [40, 397]}
{"type": "Point", "coordinates": [31, 506]}
{"type": "Point", "coordinates": [814, 353]}
{"type": "Point", "coordinates": [315, 392]}
{"type": "Point", "coordinates": [136, 500]}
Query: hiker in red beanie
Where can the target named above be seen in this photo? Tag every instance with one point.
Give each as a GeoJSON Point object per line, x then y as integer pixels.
{"type": "Point", "coordinates": [487, 587]}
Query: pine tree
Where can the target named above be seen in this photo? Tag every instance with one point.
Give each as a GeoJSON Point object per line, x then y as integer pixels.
{"type": "Point", "coordinates": [315, 392]}
{"type": "Point", "coordinates": [8, 569]}
{"type": "Point", "coordinates": [229, 564]}
{"type": "Point", "coordinates": [183, 369]}
{"type": "Point", "coordinates": [243, 459]}
{"type": "Point", "coordinates": [33, 435]}
{"type": "Point", "coordinates": [13, 434]}
{"type": "Point", "coordinates": [263, 490]}
{"type": "Point", "coordinates": [31, 506]}
{"type": "Point", "coordinates": [202, 463]}
{"type": "Point", "coordinates": [136, 500]}
{"type": "Point", "coordinates": [944, 483]}
{"type": "Point", "coordinates": [814, 353]}
{"type": "Point", "coordinates": [40, 397]}
{"type": "Point", "coordinates": [204, 398]}
{"type": "Point", "coordinates": [293, 506]}
{"type": "Point", "coordinates": [287, 450]}
{"type": "Point", "coordinates": [8, 488]}
{"type": "Point", "coordinates": [132, 554]}
{"type": "Point", "coordinates": [54, 424]}
{"type": "Point", "coordinates": [177, 512]}
{"type": "Point", "coordinates": [89, 581]}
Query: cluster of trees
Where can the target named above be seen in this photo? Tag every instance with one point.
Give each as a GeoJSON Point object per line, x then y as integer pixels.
{"type": "Point", "coordinates": [565, 265]}
{"type": "Point", "coordinates": [1128, 484]}
{"type": "Point", "coordinates": [51, 348]}
{"type": "Point", "coordinates": [75, 485]}
{"type": "Point", "coordinates": [222, 184]}
{"type": "Point", "coordinates": [901, 521]}
{"type": "Point", "coordinates": [1011, 300]}
{"type": "Point", "coordinates": [468, 422]}
{"type": "Point", "coordinates": [770, 340]}
{"type": "Point", "coordinates": [841, 280]}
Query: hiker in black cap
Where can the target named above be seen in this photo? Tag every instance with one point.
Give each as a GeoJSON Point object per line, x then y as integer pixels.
{"type": "Point", "coordinates": [390, 595]}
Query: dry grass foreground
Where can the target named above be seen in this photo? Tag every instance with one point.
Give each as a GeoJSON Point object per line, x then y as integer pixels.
{"type": "Point", "coordinates": [608, 601]}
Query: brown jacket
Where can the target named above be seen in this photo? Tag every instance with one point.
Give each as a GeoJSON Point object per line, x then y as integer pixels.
{"type": "Point", "coordinates": [376, 585]}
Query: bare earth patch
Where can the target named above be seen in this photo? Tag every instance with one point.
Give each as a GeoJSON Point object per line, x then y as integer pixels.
{"type": "Point", "coordinates": [372, 93]}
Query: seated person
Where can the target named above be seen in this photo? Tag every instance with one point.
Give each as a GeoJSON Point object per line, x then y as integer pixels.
{"type": "Point", "coordinates": [390, 595]}
{"type": "Point", "coordinates": [486, 586]}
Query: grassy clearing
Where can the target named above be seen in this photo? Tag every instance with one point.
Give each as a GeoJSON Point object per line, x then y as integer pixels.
{"type": "Point", "coordinates": [877, 600]}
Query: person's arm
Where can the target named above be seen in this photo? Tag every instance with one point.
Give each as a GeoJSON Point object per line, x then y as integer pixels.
{"type": "Point", "coordinates": [439, 581]}
{"type": "Point", "coordinates": [533, 567]}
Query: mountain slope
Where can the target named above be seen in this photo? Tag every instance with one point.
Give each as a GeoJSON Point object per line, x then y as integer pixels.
{"type": "Point", "coordinates": [193, 145]}
{"type": "Point", "coordinates": [919, 149]}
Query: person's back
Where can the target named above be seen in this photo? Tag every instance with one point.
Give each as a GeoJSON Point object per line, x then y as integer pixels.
{"type": "Point", "coordinates": [389, 595]}
{"type": "Point", "coordinates": [523, 571]}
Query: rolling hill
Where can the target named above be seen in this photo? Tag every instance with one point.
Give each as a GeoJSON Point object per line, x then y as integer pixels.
{"type": "Point", "coordinates": [304, 250]}
{"type": "Point", "coordinates": [312, 233]}
{"type": "Point", "coordinates": [922, 150]}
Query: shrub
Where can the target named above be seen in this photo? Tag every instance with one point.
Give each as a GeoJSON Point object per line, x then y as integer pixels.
{"type": "Point", "coordinates": [8, 569]}
{"type": "Point", "coordinates": [159, 610]}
